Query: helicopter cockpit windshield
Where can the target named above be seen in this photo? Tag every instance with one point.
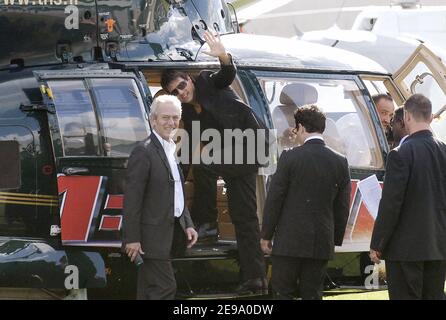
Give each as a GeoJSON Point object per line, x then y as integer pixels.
{"type": "Point", "coordinates": [173, 29]}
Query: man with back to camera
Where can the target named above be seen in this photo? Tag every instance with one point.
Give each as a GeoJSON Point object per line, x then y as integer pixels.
{"type": "Point", "coordinates": [306, 209]}
{"type": "Point", "coordinates": [157, 223]}
{"type": "Point", "coordinates": [410, 229]}
{"type": "Point", "coordinates": [209, 100]}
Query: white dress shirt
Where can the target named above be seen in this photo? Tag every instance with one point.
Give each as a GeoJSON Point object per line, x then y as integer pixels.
{"type": "Point", "coordinates": [402, 140]}
{"type": "Point", "coordinates": [169, 149]}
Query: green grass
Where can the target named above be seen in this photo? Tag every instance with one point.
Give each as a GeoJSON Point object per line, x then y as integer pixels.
{"type": "Point", "coordinates": [374, 295]}
{"type": "Point", "coordinates": [371, 295]}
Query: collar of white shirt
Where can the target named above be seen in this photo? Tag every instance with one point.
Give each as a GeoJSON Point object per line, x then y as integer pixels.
{"type": "Point", "coordinates": [314, 137]}
{"type": "Point", "coordinates": [168, 146]}
{"type": "Point", "coordinates": [403, 139]}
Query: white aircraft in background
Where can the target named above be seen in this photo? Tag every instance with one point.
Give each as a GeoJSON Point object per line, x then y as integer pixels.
{"type": "Point", "coordinates": [389, 35]}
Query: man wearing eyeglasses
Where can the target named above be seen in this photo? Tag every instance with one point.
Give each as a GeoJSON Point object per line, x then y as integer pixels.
{"type": "Point", "coordinates": [208, 100]}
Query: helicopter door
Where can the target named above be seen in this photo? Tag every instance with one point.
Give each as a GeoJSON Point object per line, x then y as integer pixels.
{"type": "Point", "coordinates": [425, 73]}
{"type": "Point", "coordinates": [98, 118]}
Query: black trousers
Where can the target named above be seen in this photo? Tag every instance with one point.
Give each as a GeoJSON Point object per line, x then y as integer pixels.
{"type": "Point", "coordinates": [156, 278]}
{"type": "Point", "coordinates": [241, 191]}
{"type": "Point", "coordinates": [204, 206]}
{"type": "Point", "coordinates": [302, 277]}
{"type": "Point", "coordinates": [416, 280]}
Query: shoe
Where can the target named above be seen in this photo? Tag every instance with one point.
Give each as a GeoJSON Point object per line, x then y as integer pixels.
{"type": "Point", "coordinates": [256, 286]}
{"type": "Point", "coordinates": [207, 230]}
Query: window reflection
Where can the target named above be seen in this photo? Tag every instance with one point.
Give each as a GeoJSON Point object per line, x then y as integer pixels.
{"type": "Point", "coordinates": [168, 28]}
{"type": "Point", "coordinates": [122, 115]}
{"type": "Point", "coordinates": [76, 118]}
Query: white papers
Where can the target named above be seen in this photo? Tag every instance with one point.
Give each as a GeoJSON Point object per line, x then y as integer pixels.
{"type": "Point", "coordinates": [371, 194]}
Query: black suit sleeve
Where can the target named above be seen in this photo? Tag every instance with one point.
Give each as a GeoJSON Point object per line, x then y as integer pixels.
{"type": "Point", "coordinates": [187, 218]}
{"type": "Point", "coordinates": [138, 170]}
{"type": "Point", "coordinates": [276, 196]}
{"type": "Point", "coordinates": [224, 77]}
{"type": "Point", "coordinates": [342, 206]}
{"type": "Point", "coordinates": [395, 184]}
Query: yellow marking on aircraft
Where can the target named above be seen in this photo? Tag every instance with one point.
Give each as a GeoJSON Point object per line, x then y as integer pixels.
{"type": "Point", "coordinates": [27, 195]}
{"type": "Point", "coordinates": [30, 203]}
{"type": "Point", "coordinates": [27, 199]}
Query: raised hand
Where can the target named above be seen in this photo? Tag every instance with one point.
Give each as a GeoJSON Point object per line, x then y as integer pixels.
{"type": "Point", "coordinates": [216, 47]}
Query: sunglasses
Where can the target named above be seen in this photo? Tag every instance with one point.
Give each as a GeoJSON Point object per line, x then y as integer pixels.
{"type": "Point", "coordinates": [181, 86]}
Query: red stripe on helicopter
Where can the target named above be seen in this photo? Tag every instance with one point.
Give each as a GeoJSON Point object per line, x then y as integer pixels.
{"type": "Point", "coordinates": [110, 223]}
{"type": "Point", "coordinates": [114, 202]}
{"type": "Point", "coordinates": [79, 205]}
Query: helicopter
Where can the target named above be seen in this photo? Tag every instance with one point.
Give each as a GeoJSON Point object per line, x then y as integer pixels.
{"type": "Point", "coordinates": [76, 83]}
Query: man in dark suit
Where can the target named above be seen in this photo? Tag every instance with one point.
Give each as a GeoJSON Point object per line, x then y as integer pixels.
{"type": "Point", "coordinates": [157, 223]}
{"type": "Point", "coordinates": [410, 229]}
{"type": "Point", "coordinates": [306, 209]}
{"type": "Point", "coordinates": [209, 101]}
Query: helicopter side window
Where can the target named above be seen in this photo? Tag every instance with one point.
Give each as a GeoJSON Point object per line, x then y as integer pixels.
{"type": "Point", "coordinates": [348, 125]}
{"type": "Point", "coordinates": [76, 118]}
{"type": "Point", "coordinates": [107, 121]}
{"type": "Point", "coordinates": [122, 116]}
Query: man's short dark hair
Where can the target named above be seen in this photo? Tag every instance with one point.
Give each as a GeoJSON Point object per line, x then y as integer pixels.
{"type": "Point", "coordinates": [419, 107]}
{"type": "Point", "coordinates": [170, 75]}
{"type": "Point", "coordinates": [380, 96]}
{"type": "Point", "coordinates": [311, 118]}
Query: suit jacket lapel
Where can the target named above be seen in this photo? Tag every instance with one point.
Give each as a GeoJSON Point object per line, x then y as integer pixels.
{"type": "Point", "coordinates": [183, 180]}
{"type": "Point", "coordinates": [183, 185]}
{"type": "Point", "coordinates": [161, 153]}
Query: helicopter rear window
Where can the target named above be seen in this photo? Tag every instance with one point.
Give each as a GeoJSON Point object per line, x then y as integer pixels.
{"type": "Point", "coordinates": [77, 121]}
{"type": "Point", "coordinates": [107, 120]}
{"type": "Point", "coordinates": [122, 115]}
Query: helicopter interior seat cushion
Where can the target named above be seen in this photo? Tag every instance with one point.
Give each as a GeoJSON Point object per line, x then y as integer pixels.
{"type": "Point", "coordinates": [292, 96]}
{"type": "Point", "coordinates": [298, 94]}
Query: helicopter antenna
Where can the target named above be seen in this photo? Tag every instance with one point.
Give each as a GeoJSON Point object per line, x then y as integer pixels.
{"type": "Point", "coordinates": [339, 12]}
{"type": "Point", "coordinates": [97, 50]}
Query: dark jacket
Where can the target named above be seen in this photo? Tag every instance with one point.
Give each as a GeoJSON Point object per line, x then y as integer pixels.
{"type": "Point", "coordinates": [307, 205]}
{"type": "Point", "coordinates": [411, 221]}
{"type": "Point", "coordinates": [149, 201]}
{"type": "Point", "coordinates": [225, 108]}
